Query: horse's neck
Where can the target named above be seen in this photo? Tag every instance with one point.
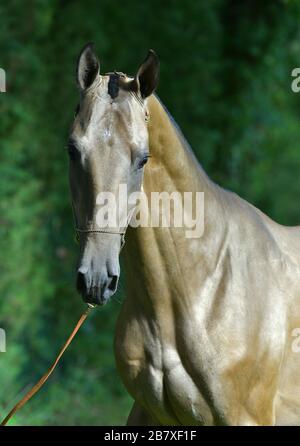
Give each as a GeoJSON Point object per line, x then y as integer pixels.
{"type": "Point", "coordinates": [174, 167]}
{"type": "Point", "coordinates": [156, 255]}
{"type": "Point", "coordinates": [173, 164]}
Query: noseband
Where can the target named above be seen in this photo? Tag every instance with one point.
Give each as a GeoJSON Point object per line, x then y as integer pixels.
{"type": "Point", "coordinates": [118, 231]}
{"type": "Point", "coordinates": [79, 231]}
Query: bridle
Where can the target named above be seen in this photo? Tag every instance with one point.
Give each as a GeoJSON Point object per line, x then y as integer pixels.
{"type": "Point", "coordinates": [79, 231]}
{"type": "Point", "coordinates": [118, 231]}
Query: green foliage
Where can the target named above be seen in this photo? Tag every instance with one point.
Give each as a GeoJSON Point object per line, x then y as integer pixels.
{"type": "Point", "coordinates": [225, 76]}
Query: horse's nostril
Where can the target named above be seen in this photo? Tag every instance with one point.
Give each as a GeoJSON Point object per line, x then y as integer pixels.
{"type": "Point", "coordinates": [98, 288]}
{"type": "Point", "coordinates": [81, 284]}
{"type": "Point", "coordinates": [112, 283]}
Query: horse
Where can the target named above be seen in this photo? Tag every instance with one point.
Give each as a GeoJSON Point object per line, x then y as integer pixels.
{"type": "Point", "coordinates": [206, 333]}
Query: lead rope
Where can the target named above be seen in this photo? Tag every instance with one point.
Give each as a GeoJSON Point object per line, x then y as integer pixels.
{"type": "Point", "coordinates": [83, 317]}
{"type": "Point", "coordinates": [44, 378]}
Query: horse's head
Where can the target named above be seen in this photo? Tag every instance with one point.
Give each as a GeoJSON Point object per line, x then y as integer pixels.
{"type": "Point", "coordinates": [108, 146]}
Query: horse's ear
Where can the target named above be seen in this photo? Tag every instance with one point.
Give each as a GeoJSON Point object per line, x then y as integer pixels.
{"type": "Point", "coordinates": [148, 75]}
{"type": "Point", "coordinates": [88, 67]}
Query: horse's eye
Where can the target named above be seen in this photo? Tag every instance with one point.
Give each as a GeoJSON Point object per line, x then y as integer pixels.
{"type": "Point", "coordinates": [72, 150]}
{"type": "Point", "coordinates": [143, 161]}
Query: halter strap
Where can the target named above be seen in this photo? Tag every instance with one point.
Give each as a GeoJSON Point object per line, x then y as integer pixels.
{"type": "Point", "coordinates": [102, 231]}
{"type": "Point", "coordinates": [107, 231]}
{"type": "Point", "coordinates": [118, 231]}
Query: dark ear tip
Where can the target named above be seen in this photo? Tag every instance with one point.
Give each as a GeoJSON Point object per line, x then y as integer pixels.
{"type": "Point", "coordinates": [152, 54]}
{"type": "Point", "coordinates": [91, 45]}
{"type": "Point", "coordinates": [88, 46]}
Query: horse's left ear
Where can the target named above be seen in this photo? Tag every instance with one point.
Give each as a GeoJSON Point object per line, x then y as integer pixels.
{"type": "Point", "coordinates": [148, 75]}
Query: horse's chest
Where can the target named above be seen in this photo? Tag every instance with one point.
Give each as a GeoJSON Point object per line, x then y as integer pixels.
{"type": "Point", "coordinates": [157, 378]}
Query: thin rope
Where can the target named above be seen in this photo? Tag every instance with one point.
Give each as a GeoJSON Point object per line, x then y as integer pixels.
{"type": "Point", "coordinates": [44, 378]}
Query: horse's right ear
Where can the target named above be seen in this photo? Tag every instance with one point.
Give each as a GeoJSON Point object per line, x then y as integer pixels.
{"type": "Point", "coordinates": [88, 67]}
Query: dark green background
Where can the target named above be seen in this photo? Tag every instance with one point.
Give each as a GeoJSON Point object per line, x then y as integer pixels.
{"type": "Point", "coordinates": [226, 78]}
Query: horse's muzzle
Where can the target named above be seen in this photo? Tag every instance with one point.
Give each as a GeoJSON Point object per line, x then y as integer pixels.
{"type": "Point", "coordinates": [97, 291]}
